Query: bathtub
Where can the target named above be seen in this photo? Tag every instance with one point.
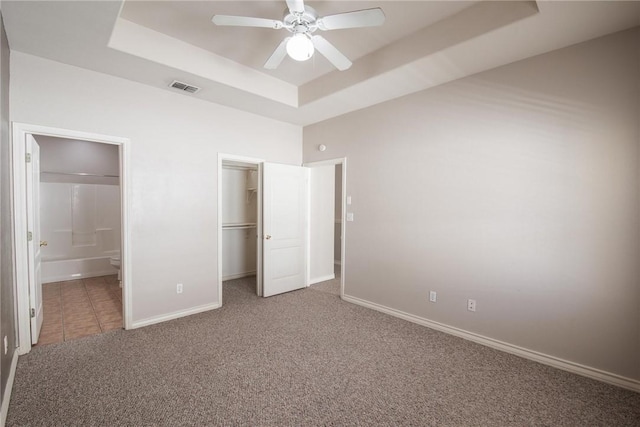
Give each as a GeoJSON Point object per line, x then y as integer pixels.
{"type": "Point", "coordinates": [58, 270]}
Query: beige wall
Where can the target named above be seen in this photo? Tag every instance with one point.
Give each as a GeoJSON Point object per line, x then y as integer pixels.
{"type": "Point", "coordinates": [7, 316]}
{"type": "Point", "coordinates": [517, 187]}
{"type": "Point", "coordinates": [175, 141]}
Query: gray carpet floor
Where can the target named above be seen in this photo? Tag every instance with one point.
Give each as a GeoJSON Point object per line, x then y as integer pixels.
{"type": "Point", "coordinates": [300, 359]}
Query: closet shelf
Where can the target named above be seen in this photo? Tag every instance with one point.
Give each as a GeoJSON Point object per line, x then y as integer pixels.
{"type": "Point", "coordinates": [81, 174]}
{"type": "Point", "coordinates": [236, 226]}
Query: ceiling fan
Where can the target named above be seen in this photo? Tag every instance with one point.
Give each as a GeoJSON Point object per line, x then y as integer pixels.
{"type": "Point", "coordinates": [302, 21]}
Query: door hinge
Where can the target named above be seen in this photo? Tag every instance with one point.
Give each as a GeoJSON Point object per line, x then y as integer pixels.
{"type": "Point", "coordinates": [33, 312]}
{"type": "Point", "coordinates": [29, 236]}
{"type": "Point", "coordinates": [28, 158]}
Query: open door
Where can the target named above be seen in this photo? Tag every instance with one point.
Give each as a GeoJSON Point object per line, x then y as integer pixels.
{"type": "Point", "coordinates": [285, 226]}
{"type": "Point", "coordinates": [34, 243]}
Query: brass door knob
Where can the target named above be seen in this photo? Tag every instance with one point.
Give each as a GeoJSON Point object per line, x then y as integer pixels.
{"type": "Point", "coordinates": [43, 243]}
{"type": "Point", "coordinates": [268, 236]}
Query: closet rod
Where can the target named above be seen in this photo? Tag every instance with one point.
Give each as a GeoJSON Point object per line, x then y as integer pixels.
{"type": "Point", "coordinates": [81, 174]}
{"type": "Point", "coordinates": [239, 167]}
{"type": "Point", "coordinates": [238, 227]}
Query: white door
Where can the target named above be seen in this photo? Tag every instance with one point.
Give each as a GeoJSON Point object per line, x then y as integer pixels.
{"type": "Point", "coordinates": [33, 224]}
{"type": "Point", "coordinates": [285, 226]}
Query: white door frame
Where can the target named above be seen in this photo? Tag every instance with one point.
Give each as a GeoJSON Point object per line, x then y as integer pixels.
{"type": "Point", "coordinates": [254, 161]}
{"type": "Point", "coordinates": [18, 155]}
{"type": "Point", "coordinates": [343, 226]}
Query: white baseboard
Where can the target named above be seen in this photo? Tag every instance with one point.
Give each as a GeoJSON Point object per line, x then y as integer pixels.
{"type": "Point", "coordinates": [321, 279]}
{"type": "Point", "coordinates": [545, 359]}
{"type": "Point", "coordinates": [174, 315]}
{"type": "Point", "coordinates": [238, 276]}
{"type": "Point", "coordinates": [6, 396]}
{"type": "Point", "coordinates": [79, 276]}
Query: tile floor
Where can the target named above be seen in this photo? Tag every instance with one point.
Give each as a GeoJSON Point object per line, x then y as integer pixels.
{"type": "Point", "coordinates": [79, 308]}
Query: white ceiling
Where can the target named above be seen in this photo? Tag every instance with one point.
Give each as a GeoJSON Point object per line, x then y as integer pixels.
{"type": "Point", "coordinates": [191, 23]}
{"type": "Point", "coordinates": [421, 45]}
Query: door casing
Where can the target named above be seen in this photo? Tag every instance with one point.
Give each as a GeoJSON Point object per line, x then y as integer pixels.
{"type": "Point", "coordinates": [19, 132]}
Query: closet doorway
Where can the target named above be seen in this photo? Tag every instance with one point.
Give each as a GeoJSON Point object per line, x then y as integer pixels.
{"type": "Point", "coordinates": [240, 194]}
{"type": "Point", "coordinates": [281, 195]}
{"type": "Point", "coordinates": [239, 220]}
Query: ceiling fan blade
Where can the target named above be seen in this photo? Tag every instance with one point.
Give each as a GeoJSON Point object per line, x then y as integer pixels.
{"type": "Point", "coordinates": [329, 51]}
{"type": "Point", "coordinates": [359, 18]}
{"type": "Point", "coordinates": [245, 21]}
{"type": "Point", "coordinates": [277, 56]}
{"type": "Point", "coordinates": [295, 6]}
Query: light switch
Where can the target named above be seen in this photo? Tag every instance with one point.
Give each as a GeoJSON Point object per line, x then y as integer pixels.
{"type": "Point", "coordinates": [348, 200]}
{"type": "Point", "coordinates": [349, 216]}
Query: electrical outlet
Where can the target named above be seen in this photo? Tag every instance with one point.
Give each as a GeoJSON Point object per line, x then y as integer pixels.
{"type": "Point", "coordinates": [349, 216]}
{"type": "Point", "coordinates": [6, 345]}
{"type": "Point", "coordinates": [432, 296]}
{"type": "Point", "coordinates": [179, 288]}
{"type": "Point", "coordinates": [471, 305]}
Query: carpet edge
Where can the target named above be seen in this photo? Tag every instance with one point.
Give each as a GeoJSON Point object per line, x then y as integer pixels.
{"type": "Point", "coordinates": [545, 359]}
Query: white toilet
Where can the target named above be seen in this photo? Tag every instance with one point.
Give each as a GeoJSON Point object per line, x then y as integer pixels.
{"type": "Point", "coordinates": [114, 260]}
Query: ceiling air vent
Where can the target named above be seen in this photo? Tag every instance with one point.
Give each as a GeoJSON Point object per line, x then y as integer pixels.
{"type": "Point", "coordinates": [183, 86]}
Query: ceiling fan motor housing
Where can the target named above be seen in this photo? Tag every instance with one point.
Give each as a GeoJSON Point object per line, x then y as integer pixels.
{"type": "Point", "coordinates": [301, 22]}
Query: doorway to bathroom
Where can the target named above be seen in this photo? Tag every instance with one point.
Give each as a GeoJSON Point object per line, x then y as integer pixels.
{"type": "Point", "coordinates": [70, 201]}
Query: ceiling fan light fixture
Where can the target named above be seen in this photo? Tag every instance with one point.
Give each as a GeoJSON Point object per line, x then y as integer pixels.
{"type": "Point", "coordinates": [301, 21]}
{"type": "Point", "coordinates": [300, 47]}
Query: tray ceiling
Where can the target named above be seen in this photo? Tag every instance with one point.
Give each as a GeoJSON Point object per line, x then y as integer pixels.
{"type": "Point", "coordinates": [421, 45]}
